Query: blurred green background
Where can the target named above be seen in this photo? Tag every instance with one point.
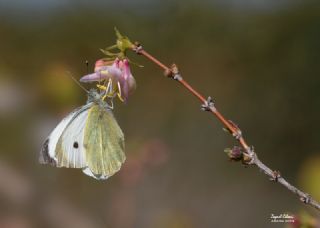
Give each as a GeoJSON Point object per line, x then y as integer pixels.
{"type": "Point", "coordinates": [258, 60]}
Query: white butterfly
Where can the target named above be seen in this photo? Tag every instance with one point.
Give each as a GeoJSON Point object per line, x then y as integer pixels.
{"type": "Point", "coordinates": [88, 138]}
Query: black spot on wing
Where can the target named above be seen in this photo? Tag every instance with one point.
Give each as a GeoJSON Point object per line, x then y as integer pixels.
{"type": "Point", "coordinates": [44, 157]}
{"type": "Point", "coordinates": [76, 145]}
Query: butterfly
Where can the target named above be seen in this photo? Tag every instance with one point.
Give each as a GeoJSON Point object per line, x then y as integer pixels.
{"type": "Point", "coordinates": [88, 138]}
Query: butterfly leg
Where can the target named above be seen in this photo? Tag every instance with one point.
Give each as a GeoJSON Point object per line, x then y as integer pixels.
{"type": "Point", "coordinates": [102, 87]}
{"type": "Point", "coordinates": [100, 80]}
{"type": "Point", "coordinates": [119, 93]}
{"type": "Point", "coordinates": [108, 89]}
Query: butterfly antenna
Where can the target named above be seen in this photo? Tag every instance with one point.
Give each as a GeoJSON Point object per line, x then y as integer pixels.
{"type": "Point", "coordinates": [100, 81]}
{"type": "Point", "coordinates": [76, 81]}
{"type": "Point", "coordinates": [87, 64]}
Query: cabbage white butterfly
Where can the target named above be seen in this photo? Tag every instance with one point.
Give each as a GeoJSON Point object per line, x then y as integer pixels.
{"type": "Point", "coordinates": [88, 138]}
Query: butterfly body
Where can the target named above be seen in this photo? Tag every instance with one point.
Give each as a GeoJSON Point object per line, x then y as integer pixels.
{"type": "Point", "coordinates": [88, 138]}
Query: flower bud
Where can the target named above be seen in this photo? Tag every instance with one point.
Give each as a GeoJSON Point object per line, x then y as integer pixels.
{"type": "Point", "coordinates": [234, 154]}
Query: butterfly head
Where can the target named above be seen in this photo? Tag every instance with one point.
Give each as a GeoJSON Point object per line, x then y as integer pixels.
{"type": "Point", "coordinates": [98, 98]}
{"type": "Point", "coordinates": [94, 96]}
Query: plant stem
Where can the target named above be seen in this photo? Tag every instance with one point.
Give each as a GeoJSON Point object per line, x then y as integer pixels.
{"type": "Point", "coordinates": [208, 105]}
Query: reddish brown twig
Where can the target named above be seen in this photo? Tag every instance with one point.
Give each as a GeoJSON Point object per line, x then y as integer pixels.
{"type": "Point", "coordinates": [250, 157]}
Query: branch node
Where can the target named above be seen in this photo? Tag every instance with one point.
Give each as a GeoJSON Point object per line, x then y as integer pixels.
{"type": "Point", "coordinates": [306, 198]}
{"type": "Point", "coordinates": [249, 156]}
{"type": "Point", "coordinates": [208, 105]}
{"type": "Point", "coordinates": [237, 133]}
{"type": "Point", "coordinates": [177, 77]}
{"type": "Point", "coordinates": [251, 152]}
{"type": "Point", "coordinates": [173, 72]}
{"type": "Point", "coordinates": [275, 176]}
{"type": "Point", "coordinates": [137, 48]}
{"type": "Point", "coordinates": [168, 73]}
{"type": "Point", "coordinates": [247, 159]}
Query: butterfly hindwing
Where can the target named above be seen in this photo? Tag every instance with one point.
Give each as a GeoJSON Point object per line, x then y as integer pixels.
{"type": "Point", "coordinates": [104, 142]}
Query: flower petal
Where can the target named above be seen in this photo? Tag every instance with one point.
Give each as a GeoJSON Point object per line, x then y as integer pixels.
{"type": "Point", "coordinates": [104, 72]}
{"type": "Point", "coordinates": [102, 63]}
{"type": "Point", "coordinates": [89, 77]}
{"type": "Point", "coordinates": [128, 83]}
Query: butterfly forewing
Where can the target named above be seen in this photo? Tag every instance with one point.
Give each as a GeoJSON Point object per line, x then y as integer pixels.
{"type": "Point", "coordinates": [104, 142]}
{"type": "Point", "coordinates": [69, 151]}
{"type": "Point", "coordinates": [48, 150]}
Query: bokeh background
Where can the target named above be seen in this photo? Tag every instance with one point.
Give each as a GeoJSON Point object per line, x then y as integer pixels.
{"type": "Point", "coordinates": [259, 60]}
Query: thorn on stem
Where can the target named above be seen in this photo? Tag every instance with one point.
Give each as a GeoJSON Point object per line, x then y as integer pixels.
{"type": "Point", "coordinates": [208, 105]}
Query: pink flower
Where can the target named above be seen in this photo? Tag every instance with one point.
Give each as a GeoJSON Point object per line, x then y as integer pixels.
{"type": "Point", "coordinates": [118, 77]}
{"type": "Point", "coordinates": [128, 83]}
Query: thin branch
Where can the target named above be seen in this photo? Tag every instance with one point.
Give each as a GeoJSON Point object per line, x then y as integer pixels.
{"type": "Point", "coordinates": [250, 157]}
